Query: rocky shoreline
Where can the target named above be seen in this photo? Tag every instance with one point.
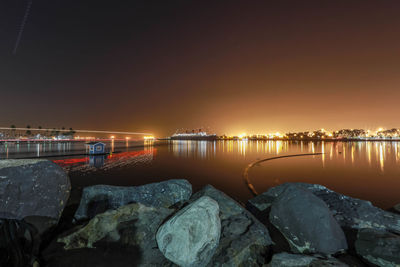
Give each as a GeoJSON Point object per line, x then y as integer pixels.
{"type": "Point", "coordinates": [166, 224]}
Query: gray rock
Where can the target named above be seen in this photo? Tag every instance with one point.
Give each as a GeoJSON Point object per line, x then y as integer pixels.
{"type": "Point", "coordinates": [191, 236]}
{"type": "Point", "coordinates": [99, 198]}
{"type": "Point", "coordinates": [125, 236]}
{"type": "Point", "coordinates": [351, 213]}
{"type": "Point", "coordinates": [244, 240]}
{"type": "Point", "coordinates": [33, 188]}
{"type": "Point", "coordinates": [298, 260]}
{"type": "Point", "coordinates": [378, 247]}
{"type": "Point", "coordinates": [306, 222]}
{"type": "Point", "coordinates": [290, 260]}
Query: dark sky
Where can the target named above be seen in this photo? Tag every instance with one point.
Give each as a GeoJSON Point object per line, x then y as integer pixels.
{"type": "Point", "coordinates": [234, 66]}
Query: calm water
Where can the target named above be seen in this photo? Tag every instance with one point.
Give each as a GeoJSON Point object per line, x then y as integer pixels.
{"type": "Point", "coordinates": [366, 170]}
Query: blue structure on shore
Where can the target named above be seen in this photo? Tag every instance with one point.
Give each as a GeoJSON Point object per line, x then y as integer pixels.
{"type": "Point", "coordinates": [96, 148]}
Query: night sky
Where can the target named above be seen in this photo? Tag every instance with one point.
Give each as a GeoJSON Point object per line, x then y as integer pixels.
{"type": "Point", "coordinates": [233, 66]}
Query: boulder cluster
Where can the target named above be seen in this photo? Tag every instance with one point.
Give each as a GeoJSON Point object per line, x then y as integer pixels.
{"type": "Point", "coordinates": [164, 224]}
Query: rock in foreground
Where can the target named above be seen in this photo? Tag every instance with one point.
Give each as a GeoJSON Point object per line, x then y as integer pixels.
{"type": "Point", "coordinates": [34, 188]}
{"type": "Point", "coordinates": [350, 213]}
{"type": "Point", "coordinates": [244, 240]}
{"type": "Point", "coordinates": [99, 198]}
{"type": "Point", "coordinates": [191, 236]}
{"type": "Point", "coordinates": [125, 236]}
{"type": "Point", "coordinates": [378, 247]}
{"type": "Point", "coordinates": [306, 222]}
{"type": "Point", "coordinates": [297, 260]}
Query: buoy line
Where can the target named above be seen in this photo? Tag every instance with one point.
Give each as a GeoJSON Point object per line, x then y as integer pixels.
{"type": "Point", "coordinates": [246, 170]}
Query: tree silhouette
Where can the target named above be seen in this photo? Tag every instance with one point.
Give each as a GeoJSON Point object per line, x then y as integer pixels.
{"type": "Point", "coordinates": [28, 132]}
{"type": "Point", "coordinates": [13, 129]}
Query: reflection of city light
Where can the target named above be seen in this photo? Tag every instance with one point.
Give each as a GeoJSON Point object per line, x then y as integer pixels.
{"type": "Point", "coordinates": [149, 137]}
{"type": "Point", "coordinates": [243, 135]}
{"type": "Point", "coordinates": [381, 158]}
{"type": "Point", "coordinates": [112, 136]}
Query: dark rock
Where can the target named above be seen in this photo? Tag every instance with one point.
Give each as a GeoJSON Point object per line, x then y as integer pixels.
{"type": "Point", "coordinates": [350, 213]}
{"type": "Point", "coordinates": [121, 237]}
{"type": "Point", "coordinates": [378, 247]}
{"type": "Point", "coordinates": [244, 240]}
{"type": "Point", "coordinates": [298, 260]}
{"type": "Point", "coordinates": [290, 260]}
{"type": "Point", "coordinates": [19, 243]}
{"type": "Point", "coordinates": [99, 198]}
{"type": "Point", "coordinates": [306, 222]}
{"type": "Point", "coordinates": [190, 237]}
{"type": "Point", "coordinates": [34, 188]}
{"type": "Point", "coordinates": [396, 208]}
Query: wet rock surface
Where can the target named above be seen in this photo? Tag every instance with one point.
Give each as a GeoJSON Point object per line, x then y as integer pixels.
{"type": "Point", "coordinates": [298, 260]}
{"type": "Point", "coordinates": [33, 188]}
{"type": "Point", "coordinates": [378, 247]}
{"type": "Point", "coordinates": [99, 198]}
{"type": "Point", "coordinates": [128, 228]}
{"type": "Point", "coordinates": [244, 240]}
{"type": "Point", "coordinates": [306, 222]}
{"type": "Point", "coordinates": [350, 213]}
{"type": "Point", "coordinates": [190, 237]}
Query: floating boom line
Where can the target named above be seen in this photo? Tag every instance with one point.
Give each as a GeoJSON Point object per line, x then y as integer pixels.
{"type": "Point", "coordinates": [246, 170]}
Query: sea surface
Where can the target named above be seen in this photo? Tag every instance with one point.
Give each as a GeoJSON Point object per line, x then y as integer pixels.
{"type": "Point", "coordinates": [366, 170]}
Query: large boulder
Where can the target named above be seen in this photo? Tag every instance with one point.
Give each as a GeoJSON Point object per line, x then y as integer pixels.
{"type": "Point", "coordinates": [191, 236]}
{"type": "Point", "coordinates": [350, 213]}
{"type": "Point", "coordinates": [306, 222]}
{"type": "Point", "coordinates": [244, 240]}
{"type": "Point", "coordinates": [19, 244]}
{"type": "Point", "coordinates": [36, 190]}
{"type": "Point", "coordinates": [378, 247]}
{"type": "Point", "coordinates": [99, 198]}
{"type": "Point", "coordinates": [121, 237]}
{"type": "Point", "coordinates": [298, 260]}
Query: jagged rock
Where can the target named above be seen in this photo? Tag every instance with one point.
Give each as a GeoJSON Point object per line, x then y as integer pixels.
{"type": "Point", "coordinates": [298, 260]}
{"type": "Point", "coordinates": [99, 198]}
{"type": "Point", "coordinates": [191, 236]}
{"type": "Point", "coordinates": [19, 243]}
{"type": "Point", "coordinates": [33, 188]}
{"type": "Point", "coordinates": [306, 222]}
{"type": "Point", "coordinates": [350, 213]}
{"type": "Point", "coordinates": [378, 247]}
{"type": "Point", "coordinates": [396, 208]}
{"type": "Point", "coordinates": [244, 240]}
{"type": "Point", "coordinates": [290, 260]}
{"type": "Point", "coordinates": [124, 237]}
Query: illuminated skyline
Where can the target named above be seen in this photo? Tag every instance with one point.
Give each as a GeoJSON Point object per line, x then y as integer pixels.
{"type": "Point", "coordinates": [157, 67]}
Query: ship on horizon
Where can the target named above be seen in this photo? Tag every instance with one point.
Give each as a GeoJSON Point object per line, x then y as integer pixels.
{"type": "Point", "coordinates": [193, 135]}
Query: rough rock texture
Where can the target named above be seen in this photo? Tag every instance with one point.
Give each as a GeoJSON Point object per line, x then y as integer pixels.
{"type": "Point", "coordinates": [378, 247]}
{"type": "Point", "coordinates": [33, 188]}
{"type": "Point", "coordinates": [191, 236]}
{"type": "Point", "coordinates": [124, 237]}
{"type": "Point", "coordinates": [297, 260]}
{"type": "Point", "coordinates": [244, 240]}
{"type": "Point", "coordinates": [19, 244]}
{"type": "Point", "coordinates": [99, 198]}
{"type": "Point", "coordinates": [397, 208]}
{"type": "Point", "coordinates": [349, 212]}
{"type": "Point", "coordinates": [306, 222]}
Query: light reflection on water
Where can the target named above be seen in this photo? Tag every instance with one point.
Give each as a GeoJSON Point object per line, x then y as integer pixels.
{"type": "Point", "coordinates": [374, 153]}
{"type": "Point", "coordinates": [367, 170]}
